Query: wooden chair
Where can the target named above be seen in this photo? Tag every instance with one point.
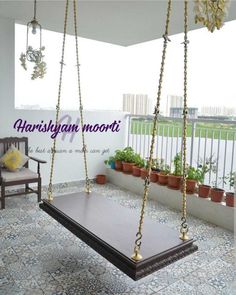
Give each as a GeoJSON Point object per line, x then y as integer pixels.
{"type": "Point", "coordinates": [23, 176]}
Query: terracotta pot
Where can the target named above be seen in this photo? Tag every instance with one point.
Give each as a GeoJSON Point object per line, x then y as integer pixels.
{"type": "Point", "coordinates": [162, 179]}
{"type": "Point", "coordinates": [154, 176]}
{"type": "Point", "coordinates": [230, 199]}
{"type": "Point", "coordinates": [190, 186]}
{"type": "Point", "coordinates": [217, 194]}
{"type": "Point", "coordinates": [101, 179]}
{"type": "Point", "coordinates": [174, 182]}
{"type": "Point", "coordinates": [144, 173]}
{"type": "Point", "coordinates": [136, 171]}
{"type": "Point", "coordinates": [118, 165]}
{"type": "Point", "coordinates": [204, 190]}
{"type": "Point", "coordinates": [127, 167]}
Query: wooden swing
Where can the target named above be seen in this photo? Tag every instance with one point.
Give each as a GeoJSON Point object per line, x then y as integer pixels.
{"type": "Point", "coordinates": [108, 227]}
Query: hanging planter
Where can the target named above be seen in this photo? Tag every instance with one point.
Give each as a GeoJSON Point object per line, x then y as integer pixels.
{"type": "Point", "coordinates": [34, 55]}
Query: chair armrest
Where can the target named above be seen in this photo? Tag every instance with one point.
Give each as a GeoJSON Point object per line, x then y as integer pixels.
{"type": "Point", "coordinates": [38, 160]}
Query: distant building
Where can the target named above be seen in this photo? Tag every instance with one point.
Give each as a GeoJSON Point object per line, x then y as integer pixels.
{"type": "Point", "coordinates": [217, 111]}
{"type": "Point", "coordinates": [173, 101]}
{"type": "Point", "coordinates": [137, 104]}
{"type": "Point", "coordinates": [178, 113]}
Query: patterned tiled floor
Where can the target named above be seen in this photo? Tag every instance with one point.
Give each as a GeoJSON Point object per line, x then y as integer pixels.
{"type": "Point", "coordinates": [39, 256]}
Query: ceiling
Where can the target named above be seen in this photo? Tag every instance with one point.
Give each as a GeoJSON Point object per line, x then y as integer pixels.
{"type": "Point", "coordinates": [118, 22]}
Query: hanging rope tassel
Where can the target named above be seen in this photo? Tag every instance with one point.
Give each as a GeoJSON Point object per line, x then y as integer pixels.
{"type": "Point", "coordinates": [136, 255]}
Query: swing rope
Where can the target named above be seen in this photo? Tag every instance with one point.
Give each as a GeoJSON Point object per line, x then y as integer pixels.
{"type": "Point", "coordinates": [53, 149]}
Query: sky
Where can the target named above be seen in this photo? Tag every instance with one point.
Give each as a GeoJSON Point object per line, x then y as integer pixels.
{"type": "Point", "coordinates": [108, 71]}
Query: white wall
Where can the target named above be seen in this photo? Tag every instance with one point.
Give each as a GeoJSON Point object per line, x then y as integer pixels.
{"type": "Point", "coordinates": [69, 166]}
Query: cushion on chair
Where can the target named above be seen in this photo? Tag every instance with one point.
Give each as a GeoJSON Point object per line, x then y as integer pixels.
{"type": "Point", "coordinates": [13, 159]}
{"type": "Point", "coordinates": [22, 174]}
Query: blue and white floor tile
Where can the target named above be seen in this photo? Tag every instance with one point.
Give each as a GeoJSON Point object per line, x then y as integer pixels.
{"type": "Point", "coordinates": [40, 257]}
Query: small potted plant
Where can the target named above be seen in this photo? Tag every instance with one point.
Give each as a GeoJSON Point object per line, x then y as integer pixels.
{"type": "Point", "coordinates": [128, 160]}
{"type": "Point", "coordinates": [144, 170]}
{"type": "Point", "coordinates": [119, 157]}
{"type": "Point", "coordinates": [163, 174]}
{"type": "Point", "coordinates": [110, 162]}
{"type": "Point", "coordinates": [155, 170]}
{"type": "Point", "coordinates": [204, 168]}
{"type": "Point", "coordinates": [230, 196]}
{"type": "Point", "coordinates": [193, 177]}
{"type": "Point", "coordinates": [174, 179]}
{"type": "Point", "coordinates": [101, 179]}
{"type": "Point", "coordinates": [139, 164]}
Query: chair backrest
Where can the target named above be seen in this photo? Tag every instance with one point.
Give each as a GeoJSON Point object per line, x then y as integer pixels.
{"type": "Point", "coordinates": [21, 143]}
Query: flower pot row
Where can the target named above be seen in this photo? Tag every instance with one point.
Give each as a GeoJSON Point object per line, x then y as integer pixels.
{"type": "Point", "coordinates": [175, 182]}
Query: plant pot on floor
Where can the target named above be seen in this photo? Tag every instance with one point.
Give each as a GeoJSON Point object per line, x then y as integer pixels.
{"type": "Point", "coordinates": [229, 199]}
{"type": "Point", "coordinates": [162, 179]}
{"type": "Point", "coordinates": [136, 171]}
{"type": "Point", "coordinates": [127, 167]}
{"type": "Point", "coordinates": [174, 182]}
{"type": "Point", "coordinates": [144, 173]}
{"type": "Point", "coordinates": [118, 165]}
{"type": "Point", "coordinates": [204, 190]}
{"type": "Point", "coordinates": [101, 179]}
{"type": "Point", "coordinates": [154, 176]}
{"type": "Point", "coordinates": [217, 194]}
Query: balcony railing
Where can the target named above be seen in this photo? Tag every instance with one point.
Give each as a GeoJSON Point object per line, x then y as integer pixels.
{"type": "Point", "coordinates": [205, 139]}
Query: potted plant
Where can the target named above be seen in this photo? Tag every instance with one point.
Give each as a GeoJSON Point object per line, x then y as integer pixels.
{"type": "Point", "coordinates": [174, 179]}
{"type": "Point", "coordinates": [128, 160]}
{"type": "Point", "coordinates": [139, 164]}
{"type": "Point", "coordinates": [229, 198]}
{"type": "Point", "coordinates": [163, 174]}
{"type": "Point", "coordinates": [110, 162]}
{"type": "Point", "coordinates": [144, 170]}
{"type": "Point", "coordinates": [155, 170]}
{"type": "Point", "coordinates": [101, 179]}
{"type": "Point", "coordinates": [119, 157]}
{"type": "Point", "coordinates": [193, 177]}
{"type": "Point", "coordinates": [204, 168]}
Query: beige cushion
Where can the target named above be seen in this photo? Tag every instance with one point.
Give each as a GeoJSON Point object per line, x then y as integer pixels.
{"type": "Point", "coordinates": [22, 174]}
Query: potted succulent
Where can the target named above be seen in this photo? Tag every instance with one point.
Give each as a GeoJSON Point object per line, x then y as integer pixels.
{"type": "Point", "coordinates": [119, 157]}
{"type": "Point", "coordinates": [128, 160]}
{"type": "Point", "coordinates": [230, 196]}
{"type": "Point", "coordinates": [139, 164]}
{"type": "Point", "coordinates": [204, 168]}
{"type": "Point", "coordinates": [101, 179]}
{"type": "Point", "coordinates": [163, 174]}
{"type": "Point", "coordinates": [110, 162]}
{"type": "Point", "coordinates": [174, 179]}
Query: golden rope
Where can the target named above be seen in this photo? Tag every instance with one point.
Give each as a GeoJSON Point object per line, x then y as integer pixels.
{"type": "Point", "coordinates": [136, 255]}
{"type": "Point", "coordinates": [184, 225]}
{"type": "Point", "coordinates": [87, 181]}
{"type": "Point", "coordinates": [53, 149]}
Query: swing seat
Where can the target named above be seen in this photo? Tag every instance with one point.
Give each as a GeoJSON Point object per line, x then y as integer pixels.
{"type": "Point", "coordinates": [110, 230]}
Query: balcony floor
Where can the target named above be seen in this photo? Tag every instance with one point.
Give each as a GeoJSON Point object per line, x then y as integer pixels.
{"type": "Point", "coordinates": [39, 256]}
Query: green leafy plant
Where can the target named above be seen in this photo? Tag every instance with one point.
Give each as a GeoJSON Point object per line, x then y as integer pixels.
{"type": "Point", "coordinates": [178, 165]}
{"type": "Point", "coordinates": [194, 174]}
{"type": "Point", "coordinates": [139, 161]}
{"type": "Point", "coordinates": [110, 160]}
{"type": "Point", "coordinates": [126, 155]}
{"type": "Point", "coordinates": [119, 155]}
{"type": "Point", "coordinates": [206, 167]}
{"type": "Point", "coordinates": [230, 179]}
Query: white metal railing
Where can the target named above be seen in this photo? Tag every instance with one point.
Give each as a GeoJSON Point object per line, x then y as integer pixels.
{"type": "Point", "coordinates": [206, 138]}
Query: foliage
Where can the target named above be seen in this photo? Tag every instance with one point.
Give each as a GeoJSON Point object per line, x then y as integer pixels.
{"type": "Point", "coordinates": [110, 160]}
{"type": "Point", "coordinates": [139, 161]}
{"type": "Point", "coordinates": [230, 179]}
{"type": "Point", "coordinates": [206, 167]}
{"type": "Point", "coordinates": [194, 174]}
{"type": "Point", "coordinates": [127, 155]}
{"type": "Point", "coordinates": [157, 164]}
{"type": "Point", "coordinates": [178, 165]}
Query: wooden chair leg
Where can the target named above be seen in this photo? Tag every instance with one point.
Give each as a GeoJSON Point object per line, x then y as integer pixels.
{"type": "Point", "coordinates": [2, 196]}
{"type": "Point", "coordinates": [39, 190]}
